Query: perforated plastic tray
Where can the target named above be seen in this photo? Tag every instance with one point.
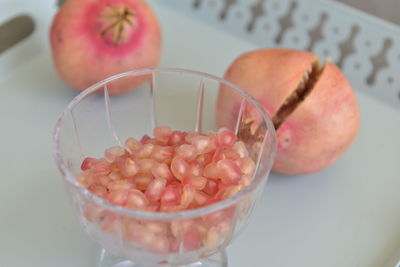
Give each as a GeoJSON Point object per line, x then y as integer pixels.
{"type": "Point", "coordinates": [347, 215]}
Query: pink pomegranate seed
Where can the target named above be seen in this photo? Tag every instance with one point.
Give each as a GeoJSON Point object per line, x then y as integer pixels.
{"type": "Point", "coordinates": [171, 195]}
{"type": "Point", "coordinates": [211, 187]}
{"type": "Point", "coordinates": [241, 149]}
{"type": "Point", "coordinates": [245, 180]}
{"type": "Point", "coordinates": [205, 159]}
{"type": "Point", "coordinates": [131, 145]}
{"type": "Point", "coordinates": [112, 153]}
{"type": "Point", "coordinates": [231, 154]}
{"type": "Point", "coordinates": [162, 133]}
{"type": "Point", "coordinates": [85, 178]}
{"type": "Point", "coordinates": [157, 227]}
{"type": "Point", "coordinates": [162, 153]}
{"type": "Point", "coordinates": [144, 139]}
{"type": "Point", "coordinates": [146, 165]}
{"type": "Point", "coordinates": [229, 172]}
{"type": "Point", "coordinates": [230, 191]}
{"type": "Point", "coordinates": [201, 198]}
{"type": "Point", "coordinates": [118, 197]}
{"type": "Point", "coordinates": [111, 223]}
{"type": "Point", "coordinates": [179, 168]}
{"type": "Point", "coordinates": [98, 190]}
{"type": "Point", "coordinates": [189, 138]}
{"type": "Point", "coordinates": [195, 169]}
{"type": "Point", "coordinates": [101, 166]}
{"type": "Point", "coordinates": [128, 168]}
{"type": "Point", "coordinates": [218, 155]}
{"type": "Point", "coordinates": [155, 188]}
{"type": "Point", "coordinates": [191, 240]}
{"type": "Point", "coordinates": [198, 182]}
{"type": "Point", "coordinates": [202, 144]}
{"type": "Point", "coordinates": [212, 171]}
{"type": "Point", "coordinates": [161, 170]}
{"type": "Point", "coordinates": [187, 197]}
{"type": "Point", "coordinates": [160, 245]}
{"type": "Point", "coordinates": [102, 180]}
{"type": "Point", "coordinates": [176, 138]}
{"type": "Point", "coordinates": [226, 138]}
{"type": "Point", "coordinates": [246, 165]}
{"type": "Point", "coordinates": [115, 175]}
{"type": "Point", "coordinates": [186, 152]}
{"type": "Point", "coordinates": [86, 163]}
{"type": "Point", "coordinates": [153, 207]}
{"type": "Point", "coordinates": [125, 184]}
{"type": "Point", "coordinates": [213, 238]}
{"type": "Point", "coordinates": [142, 181]}
{"type": "Point", "coordinates": [93, 212]}
{"type": "Point", "coordinates": [144, 151]}
{"type": "Point", "coordinates": [136, 200]}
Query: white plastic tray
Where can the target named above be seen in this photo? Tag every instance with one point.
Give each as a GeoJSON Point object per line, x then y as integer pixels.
{"type": "Point", "coordinates": [347, 215]}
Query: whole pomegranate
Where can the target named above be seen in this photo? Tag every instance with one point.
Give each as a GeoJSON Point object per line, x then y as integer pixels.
{"type": "Point", "coordinates": [95, 39]}
{"type": "Point", "coordinates": [313, 107]}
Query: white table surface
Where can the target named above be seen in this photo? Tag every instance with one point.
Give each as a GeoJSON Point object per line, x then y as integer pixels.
{"type": "Point", "coordinates": [347, 215]}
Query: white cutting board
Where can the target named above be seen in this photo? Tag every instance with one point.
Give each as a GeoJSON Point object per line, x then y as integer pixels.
{"type": "Point", "coordinates": [347, 215]}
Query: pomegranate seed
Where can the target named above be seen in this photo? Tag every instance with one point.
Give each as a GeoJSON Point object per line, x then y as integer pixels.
{"type": "Point", "coordinates": [230, 191]}
{"type": "Point", "coordinates": [186, 152]}
{"type": "Point", "coordinates": [211, 171]}
{"type": "Point", "coordinates": [162, 133]}
{"type": "Point", "coordinates": [114, 175]}
{"type": "Point", "coordinates": [246, 165]}
{"type": "Point", "coordinates": [142, 181]}
{"type": "Point", "coordinates": [93, 212]}
{"type": "Point", "coordinates": [144, 139]}
{"type": "Point", "coordinates": [102, 180]}
{"type": "Point", "coordinates": [146, 165]}
{"type": "Point", "coordinates": [161, 170]}
{"type": "Point", "coordinates": [131, 145]}
{"type": "Point", "coordinates": [202, 144]}
{"type": "Point", "coordinates": [189, 138]}
{"type": "Point", "coordinates": [201, 198]}
{"type": "Point", "coordinates": [229, 172]}
{"type": "Point", "coordinates": [211, 187]}
{"type": "Point", "coordinates": [155, 188]}
{"type": "Point", "coordinates": [125, 184]}
{"type": "Point", "coordinates": [226, 138]}
{"type": "Point", "coordinates": [176, 138]}
{"type": "Point", "coordinates": [160, 245]}
{"type": "Point", "coordinates": [245, 180]}
{"type": "Point", "coordinates": [205, 159]}
{"type": "Point", "coordinates": [195, 169]}
{"type": "Point", "coordinates": [171, 195]}
{"type": "Point", "coordinates": [162, 153]}
{"type": "Point", "coordinates": [128, 168]}
{"type": "Point", "coordinates": [101, 166]}
{"type": "Point", "coordinates": [98, 190]}
{"type": "Point", "coordinates": [144, 151]}
{"type": "Point", "coordinates": [153, 207]}
{"type": "Point", "coordinates": [157, 227]}
{"type": "Point", "coordinates": [213, 238]}
{"type": "Point", "coordinates": [179, 168]}
{"type": "Point", "coordinates": [85, 178]}
{"type": "Point", "coordinates": [187, 197]}
{"type": "Point", "coordinates": [198, 182]}
{"type": "Point", "coordinates": [118, 197]}
{"type": "Point", "coordinates": [111, 223]}
{"type": "Point", "coordinates": [113, 153]}
{"type": "Point", "coordinates": [136, 200]}
{"type": "Point", "coordinates": [231, 154]}
{"type": "Point", "coordinates": [241, 149]}
{"type": "Point", "coordinates": [86, 163]}
{"type": "Point", "coordinates": [191, 240]}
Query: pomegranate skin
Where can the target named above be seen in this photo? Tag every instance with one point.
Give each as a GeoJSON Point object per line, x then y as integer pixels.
{"type": "Point", "coordinates": [323, 125]}
{"type": "Point", "coordinates": [91, 41]}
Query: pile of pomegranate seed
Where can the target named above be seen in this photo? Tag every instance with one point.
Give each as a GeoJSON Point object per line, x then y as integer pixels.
{"type": "Point", "coordinates": [173, 171]}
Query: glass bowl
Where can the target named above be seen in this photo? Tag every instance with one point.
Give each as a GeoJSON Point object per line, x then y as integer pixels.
{"type": "Point", "coordinates": [184, 100]}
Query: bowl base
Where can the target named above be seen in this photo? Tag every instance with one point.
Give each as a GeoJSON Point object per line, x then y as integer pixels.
{"type": "Point", "coordinates": [216, 260]}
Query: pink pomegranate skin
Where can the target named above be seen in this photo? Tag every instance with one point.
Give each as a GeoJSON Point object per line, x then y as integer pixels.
{"type": "Point", "coordinates": [94, 39]}
{"type": "Point", "coordinates": [319, 130]}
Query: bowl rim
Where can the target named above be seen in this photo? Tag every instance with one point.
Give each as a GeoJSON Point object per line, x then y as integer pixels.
{"type": "Point", "coordinates": [150, 215]}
